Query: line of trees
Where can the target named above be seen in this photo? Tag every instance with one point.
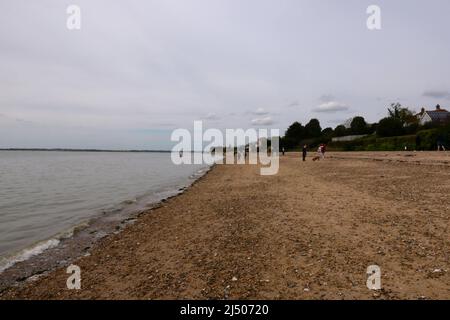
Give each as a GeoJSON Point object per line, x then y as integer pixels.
{"type": "Point", "coordinates": [398, 122]}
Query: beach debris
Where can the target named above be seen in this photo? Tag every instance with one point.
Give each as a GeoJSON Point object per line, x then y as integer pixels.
{"type": "Point", "coordinates": [436, 273]}
{"type": "Point", "coordinates": [234, 279]}
{"type": "Point", "coordinates": [291, 284]}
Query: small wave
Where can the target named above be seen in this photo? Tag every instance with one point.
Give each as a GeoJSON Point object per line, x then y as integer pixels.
{"type": "Point", "coordinates": [28, 253]}
{"type": "Point", "coordinates": [199, 173]}
{"type": "Point", "coordinates": [129, 201]}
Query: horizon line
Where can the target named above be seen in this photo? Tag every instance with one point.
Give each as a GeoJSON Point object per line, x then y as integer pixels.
{"type": "Point", "coordinates": [82, 149]}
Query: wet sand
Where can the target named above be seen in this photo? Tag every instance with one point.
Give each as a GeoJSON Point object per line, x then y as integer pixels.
{"type": "Point", "coordinates": [309, 232]}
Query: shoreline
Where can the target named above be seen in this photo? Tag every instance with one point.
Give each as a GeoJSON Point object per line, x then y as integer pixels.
{"type": "Point", "coordinates": [307, 233]}
{"type": "Point", "coordinates": [61, 249]}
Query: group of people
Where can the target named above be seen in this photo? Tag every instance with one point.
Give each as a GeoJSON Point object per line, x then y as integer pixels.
{"type": "Point", "coordinates": [320, 152]}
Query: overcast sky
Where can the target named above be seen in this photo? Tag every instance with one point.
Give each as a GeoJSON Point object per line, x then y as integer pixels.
{"type": "Point", "coordinates": [139, 69]}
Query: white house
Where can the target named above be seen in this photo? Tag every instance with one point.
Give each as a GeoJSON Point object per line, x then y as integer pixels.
{"type": "Point", "coordinates": [438, 116]}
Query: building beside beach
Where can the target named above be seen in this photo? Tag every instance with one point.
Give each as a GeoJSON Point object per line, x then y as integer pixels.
{"type": "Point", "coordinates": [436, 116]}
{"type": "Point", "coordinates": [348, 138]}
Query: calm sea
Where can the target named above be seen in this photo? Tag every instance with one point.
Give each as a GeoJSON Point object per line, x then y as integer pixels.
{"type": "Point", "coordinates": [43, 194]}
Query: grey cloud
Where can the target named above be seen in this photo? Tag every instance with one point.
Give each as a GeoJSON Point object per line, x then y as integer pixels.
{"type": "Point", "coordinates": [16, 119]}
{"type": "Point", "coordinates": [266, 121]}
{"type": "Point", "coordinates": [332, 106]}
{"type": "Point", "coordinates": [293, 104]}
{"type": "Point", "coordinates": [437, 94]}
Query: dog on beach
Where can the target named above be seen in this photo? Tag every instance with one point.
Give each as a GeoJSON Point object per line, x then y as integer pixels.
{"type": "Point", "coordinates": [320, 153]}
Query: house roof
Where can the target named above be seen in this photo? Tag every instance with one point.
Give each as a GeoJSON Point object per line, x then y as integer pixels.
{"type": "Point", "coordinates": [438, 109]}
{"type": "Point", "coordinates": [438, 115]}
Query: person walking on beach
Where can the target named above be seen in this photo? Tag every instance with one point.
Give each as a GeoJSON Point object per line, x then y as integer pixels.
{"type": "Point", "coordinates": [282, 150]}
{"type": "Point", "coordinates": [321, 152]}
{"type": "Point", "coordinates": [304, 152]}
{"type": "Point", "coordinates": [324, 149]}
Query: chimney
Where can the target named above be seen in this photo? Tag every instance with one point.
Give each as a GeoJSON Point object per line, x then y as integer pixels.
{"type": "Point", "coordinates": [438, 107]}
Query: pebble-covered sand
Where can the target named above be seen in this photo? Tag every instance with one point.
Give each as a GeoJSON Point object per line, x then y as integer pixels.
{"type": "Point", "coordinates": [309, 232]}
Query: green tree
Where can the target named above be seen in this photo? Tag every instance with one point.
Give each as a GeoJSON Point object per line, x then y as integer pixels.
{"type": "Point", "coordinates": [405, 115]}
{"type": "Point", "coordinates": [394, 110]}
{"type": "Point", "coordinates": [358, 125]}
{"type": "Point", "coordinates": [340, 131]}
{"type": "Point", "coordinates": [294, 134]}
{"type": "Point", "coordinates": [327, 132]}
{"type": "Point", "coordinates": [390, 127]}
{"type": "Point", "coordinates": [313, 129]}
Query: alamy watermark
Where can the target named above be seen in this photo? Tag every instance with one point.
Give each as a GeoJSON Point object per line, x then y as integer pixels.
{"type": "Point", "coordinates": [237, 146]}
{"type": "Point", "coordinates": [74, 280]}
{"type": "Point", "coordinates": [73, 21]}
{"type": "Point", "coordinates": [374, 277]}
{"type": "Point", "coordinates": [374, 20]}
